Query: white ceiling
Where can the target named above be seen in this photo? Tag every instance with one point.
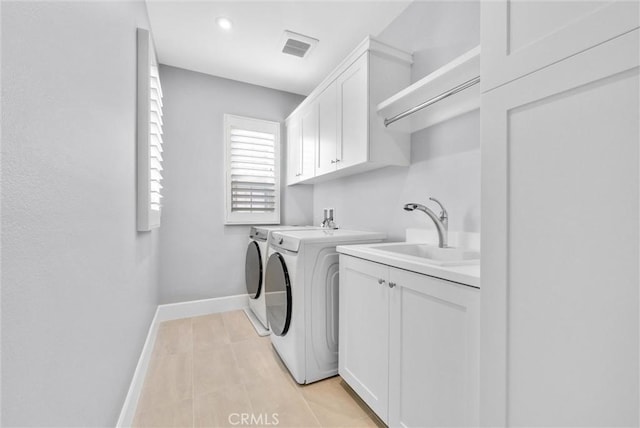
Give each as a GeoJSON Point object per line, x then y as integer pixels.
{"type": "Point", "coordinates": [186, 35]}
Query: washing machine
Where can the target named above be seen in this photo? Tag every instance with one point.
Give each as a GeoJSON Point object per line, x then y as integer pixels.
{"type": "Point", "coordinates": [301, 284]}
{"type": "Point", "coordinates": [255, 262]}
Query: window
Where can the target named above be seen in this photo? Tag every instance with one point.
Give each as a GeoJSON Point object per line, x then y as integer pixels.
{"type": "Point", "coordinates": [149, 135]}
{"type": "Point", "coordinates": [252, 191]}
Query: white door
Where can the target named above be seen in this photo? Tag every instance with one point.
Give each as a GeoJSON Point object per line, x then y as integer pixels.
{"type": "Point", "coordinates": [309, 140]}
{"type": "Point", "coordinates": [294, 151]}
{"type": "Point", "coordinates": [560, 194]}
{"type": "Point", "coordinates": [353, 102]}
{"type": "Point", "coordinates": [433, 352]}
{"type": "Point", "coordinates": [522, 36]}
{"type": "Point", "coordinates": [328, 130]}
{"type": "Point", "coordinates": [364, 331]}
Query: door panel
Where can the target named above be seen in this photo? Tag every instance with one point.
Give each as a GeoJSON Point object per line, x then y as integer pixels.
{"type": "Point", "coordinates": [294, 151]}
{"type": "Point", "coordinates": [433, 367]}
{"type": "Point", "coordinates": [353, 89]}
{"type": "Point", "coordinates": [364, 331]}
{"type": "Point", "coordinates": [328, 130]}
{"type": "Point", "coordinates": [526, 35]}
{"type": "Point", "coordinates": [278, 295]}
{"type": "Point", "coordinates": [560, 195]}
{"type": "Point", "coordinates": [253, 270]}
{"type": "Point", "coordinates": [309, 141]}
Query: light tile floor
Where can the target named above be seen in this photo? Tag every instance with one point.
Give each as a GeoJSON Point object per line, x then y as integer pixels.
{"type": "Point", "coordinates": [212, 370]}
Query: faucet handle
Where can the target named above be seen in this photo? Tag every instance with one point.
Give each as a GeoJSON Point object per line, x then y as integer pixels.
{"type": "Point", "coordinates": [443, 214]}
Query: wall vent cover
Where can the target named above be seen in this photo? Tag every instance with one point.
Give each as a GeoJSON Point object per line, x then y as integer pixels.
{"type": "Point", "coordinates": [297, 44]}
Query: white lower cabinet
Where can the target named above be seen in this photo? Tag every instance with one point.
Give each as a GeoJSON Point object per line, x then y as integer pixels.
{"type": "Point", "coordinates": [409, 344]}
{"type": "Point", "coordinates": [363, 350]}
{"type": "Point", "coordinates": [433, 351]}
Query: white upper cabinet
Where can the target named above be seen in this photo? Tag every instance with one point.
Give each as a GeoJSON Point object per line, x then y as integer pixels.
{"type": "Point", "coordinates": [309, 142]}
{"type": "Point", "coordinates": [353, 90]}
{"type": "Point", "coordinates": [349, 136]}
{"type": "Point", "coordinates": [302, 139]}
{"type": "Point", "coordinates": [294, 151]}
{"type": "Point", "coordinates": [520, 37]}
{"type": "Point", "coordinates": [327, 152]}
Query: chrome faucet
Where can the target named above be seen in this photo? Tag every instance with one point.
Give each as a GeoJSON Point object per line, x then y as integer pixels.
{"type": "Point", "coordinates": [328, 222]}
{"type": "Point", "coordinates": [442, 221]}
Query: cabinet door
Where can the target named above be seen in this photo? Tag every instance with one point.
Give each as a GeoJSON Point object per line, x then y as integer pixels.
{"type": "Point", "coordinates": [328, 130]}
{"type": "Point", "coordinates": [309, 141]}
{"type": "Point", "coordinates": [364, 331]}
{"type": "Point", "coordinates": [294, 146]}
{"type": "Point", "coordinates": [433, 352]}
{"type": "Point", "coordinates": [524, 36]}
{"type": "Point", "coordinates": [560, 194]}
{"type": "Point", "coordinates": [353, 96]}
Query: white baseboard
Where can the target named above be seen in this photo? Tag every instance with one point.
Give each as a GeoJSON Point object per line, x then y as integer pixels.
{"type": "Point", "coordinates": [131, 401]}
{"type": "Point", "coordinates": [168, 312]}
{"type": "Point", "coordinates": [174, 311]}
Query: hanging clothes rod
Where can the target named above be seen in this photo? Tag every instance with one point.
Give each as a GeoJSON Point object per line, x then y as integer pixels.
{"type": "Point", "coordinates": [433, 100]}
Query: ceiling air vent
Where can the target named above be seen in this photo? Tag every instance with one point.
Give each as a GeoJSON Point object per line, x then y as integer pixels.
{"type": "Point", "coordinates": [297, 44]}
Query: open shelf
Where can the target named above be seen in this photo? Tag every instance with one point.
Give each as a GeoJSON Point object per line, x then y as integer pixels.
{"type": "Point", "coordinates": [462, 69]}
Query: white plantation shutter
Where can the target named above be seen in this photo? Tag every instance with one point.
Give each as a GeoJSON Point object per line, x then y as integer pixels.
{"type": "Point", "coordinates": [253, 171]}
{"type": "Point", "coordinates": [155, 140]}
{"type": "Point", "coordinates": [253, 175]}
{"type": "Point", "coordinates": [150, 123]}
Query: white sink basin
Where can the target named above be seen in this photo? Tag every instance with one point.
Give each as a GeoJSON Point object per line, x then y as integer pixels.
{"type": "Point", "coordinates": [431, 254]}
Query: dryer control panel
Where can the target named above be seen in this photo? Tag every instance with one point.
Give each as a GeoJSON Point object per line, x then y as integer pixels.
{"type": "Point", "coordinates": [258, 234]}
{"type": "Point", "coordinates": [284, 242]}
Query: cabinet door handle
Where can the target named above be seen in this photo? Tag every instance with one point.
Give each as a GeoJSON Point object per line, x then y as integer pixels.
{"type": "Point", "coordinates": [381, 281]}
{"type": "Point", "coordinates": [333, 161]}
{"type": "Point", "coordinates": [298, 174]}
{"type": "Point", "coordinates": [392, 284]}
{"type": "Point", "coordinates": [337, 160]}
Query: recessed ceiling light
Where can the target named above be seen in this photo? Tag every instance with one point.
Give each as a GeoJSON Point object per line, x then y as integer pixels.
{"type": "Point", "coordinates": [224, 23]}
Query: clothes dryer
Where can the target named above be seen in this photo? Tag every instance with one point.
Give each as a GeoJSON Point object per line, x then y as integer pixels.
{"type": "Point", "coordinates": [255, 263]}
{"type": "Point", "coordinates": [301, 283]}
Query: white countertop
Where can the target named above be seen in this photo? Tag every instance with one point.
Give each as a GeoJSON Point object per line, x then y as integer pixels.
{"type": "Point", "coordinates": [464, 274]}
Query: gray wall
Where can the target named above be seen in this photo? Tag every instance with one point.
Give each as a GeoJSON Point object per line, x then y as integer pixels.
{"type": "Point", "coordinates": [79, 284]}
{"type": "Point", "coordinates": [445, 159]}
{"type": "Point", "coordinates": [200, 256]}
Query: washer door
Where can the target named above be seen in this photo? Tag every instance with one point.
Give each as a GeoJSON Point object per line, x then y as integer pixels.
{"type": "Point", "coordinates": [278, 295]}
{"type": "Point", "coordinates": [253, 270]}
